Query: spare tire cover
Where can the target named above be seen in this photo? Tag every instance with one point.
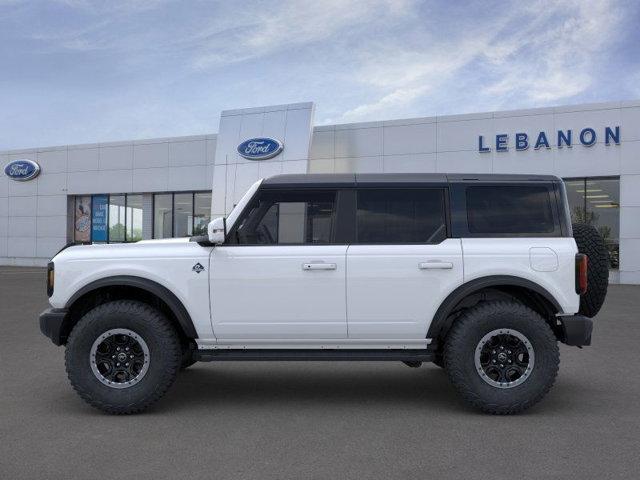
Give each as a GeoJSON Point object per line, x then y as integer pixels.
{"type": "Point", "coordinates": [591, 243]}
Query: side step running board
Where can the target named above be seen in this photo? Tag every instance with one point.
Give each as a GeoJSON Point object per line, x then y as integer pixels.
{"type": "Point", "coordinates": [313, 355]}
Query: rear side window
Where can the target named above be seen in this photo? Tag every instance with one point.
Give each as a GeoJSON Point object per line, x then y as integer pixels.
{"type": "Point", "coordinates": [401, 216]}
{"type": "Point", "coordinates": [509, 209]}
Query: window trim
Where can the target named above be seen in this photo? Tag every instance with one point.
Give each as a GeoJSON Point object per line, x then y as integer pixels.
{"type": "Point", "coordinates": [444, 190]}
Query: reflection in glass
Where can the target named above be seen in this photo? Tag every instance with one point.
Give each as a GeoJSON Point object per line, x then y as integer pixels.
{"type": "Point", "coordinates": [117, 216]}
{"type": "Point", "coordinates": [288, 218]}
{"type": "Point", "coordinates": [183, 215]}
{"type": "Point", "coordinates": [134, 218]}
{"type": "Point", "coordinates": [596, 202]}
{"type": "Point", "coordinates": [201, 213]}
{"type": "Point", "coordinates": [162, 215]}
{"type": "Point", "coordinates": [603, 205]}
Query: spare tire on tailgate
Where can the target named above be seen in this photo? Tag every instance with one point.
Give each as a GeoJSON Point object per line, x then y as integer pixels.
{"type": "Point", "coordinates": [591, 243]}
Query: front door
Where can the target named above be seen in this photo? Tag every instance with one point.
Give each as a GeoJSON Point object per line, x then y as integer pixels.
{"type": "Point", "coordinates": [280, 275]}
{"type": "Point", "coordinates": [402, 264]}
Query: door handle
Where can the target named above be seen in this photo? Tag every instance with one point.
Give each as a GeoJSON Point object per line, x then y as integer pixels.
{"type": "Point", "coordinates": [319, 266]}
{"type": "Point", "coordinates": [435, 265]}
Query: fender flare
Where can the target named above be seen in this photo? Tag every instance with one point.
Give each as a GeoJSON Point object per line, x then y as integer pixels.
{"type": "Point", "coordinates": [439, 323]}
{"type": "Point", "coordinates": [154, 288]}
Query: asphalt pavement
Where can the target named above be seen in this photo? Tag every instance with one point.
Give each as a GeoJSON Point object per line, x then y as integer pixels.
{"type": "Point", "coordinates": [317, 420]}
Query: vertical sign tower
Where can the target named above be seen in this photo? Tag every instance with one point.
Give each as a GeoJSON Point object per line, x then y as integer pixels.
{"type": "Point", "coordinates": [291, 125]}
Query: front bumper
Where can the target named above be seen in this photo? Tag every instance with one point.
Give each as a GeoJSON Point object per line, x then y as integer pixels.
{"type": "Point", "coordinates": [576, 330]}
{"type": "Point", "coordinates": [52, 323]}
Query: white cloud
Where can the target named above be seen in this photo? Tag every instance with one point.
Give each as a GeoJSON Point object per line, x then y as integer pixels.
{"type": "Point", "coordinates": [555, 63]}
{"type": "Point", "coordinates": [398, 98]}
{"type": "Point", "coordinates": [405, 76]}
{"type": "Point", "coordinates": [253, 33]}
{"type": "Point", "coordinates": [543, 51]}
{"type": "Point", "coordinates": [165, 67]}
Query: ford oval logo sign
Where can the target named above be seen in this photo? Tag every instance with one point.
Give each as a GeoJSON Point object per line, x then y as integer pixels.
{"type": "Point", "coordinates": [260, 148]}
{"type": "Point", "coordinates": [22, 170]}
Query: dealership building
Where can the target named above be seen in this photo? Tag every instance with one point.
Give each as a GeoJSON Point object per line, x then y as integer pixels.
{"type": "Point", "coordinates": [171, 187]}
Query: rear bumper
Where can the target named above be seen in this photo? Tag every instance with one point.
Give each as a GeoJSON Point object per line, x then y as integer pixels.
{"type": "Point", "coordinates": [52, 324]}
{"type": "Point", "coordinates": [576, 330]}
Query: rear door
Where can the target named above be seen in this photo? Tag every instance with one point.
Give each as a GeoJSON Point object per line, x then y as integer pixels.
{"type": "Point", "coordinates": [280, 275]}
{"type": "Point", "coordinates": [402, 263]}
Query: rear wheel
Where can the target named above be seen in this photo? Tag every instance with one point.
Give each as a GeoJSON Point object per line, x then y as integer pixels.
{"type": "Point", "coordinates": [122, 356]}
{"type": "Point", "coordinates": [502, 357]}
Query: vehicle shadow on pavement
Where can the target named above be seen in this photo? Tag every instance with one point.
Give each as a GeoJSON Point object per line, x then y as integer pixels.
{"type": "Point", "coordinates": [263, 385]}
{"type": "Point", "coordinates": [289, 385]}
{"type": "Point", "coordinates": [310, 382]}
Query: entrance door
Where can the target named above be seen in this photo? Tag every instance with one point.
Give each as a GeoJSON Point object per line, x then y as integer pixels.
{"type": "Point", "coordinates": [402, 264]}
{"type": "Point", "coordinates": [279, 274]}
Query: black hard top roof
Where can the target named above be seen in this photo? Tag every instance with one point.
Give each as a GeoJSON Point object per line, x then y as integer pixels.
{"type": "Point", "coordinates": [396, 179]}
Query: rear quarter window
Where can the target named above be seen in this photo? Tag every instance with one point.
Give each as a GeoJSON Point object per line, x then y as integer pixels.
{"type": "Point", "coordinates": [510, 209]}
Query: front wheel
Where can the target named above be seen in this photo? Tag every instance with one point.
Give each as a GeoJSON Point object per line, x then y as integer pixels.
{"type": "Point", "coordinates": [122, 356]}
{"type": "Point", "coordinates": [502, 357]}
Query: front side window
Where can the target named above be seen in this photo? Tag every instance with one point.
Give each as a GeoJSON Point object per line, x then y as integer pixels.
{"type": "Point", "coordinates": [401, 216]}
{"type": "Point", "coordinates": [509, 209]}
{"type": "Point", "coordinates": [293, 218]}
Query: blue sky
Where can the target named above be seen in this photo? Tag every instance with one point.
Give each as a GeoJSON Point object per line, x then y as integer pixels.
{"type": "Point", "coordinates": [76, 71]}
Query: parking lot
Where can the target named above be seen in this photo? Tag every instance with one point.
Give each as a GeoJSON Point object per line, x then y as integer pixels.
{"type": "Point", "coordinates": [317, 420]}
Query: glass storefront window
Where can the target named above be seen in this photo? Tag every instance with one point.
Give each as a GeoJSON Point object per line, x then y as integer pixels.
{"type": "Point", "coordinates": [82, 219]}
{"type": "Point", "coordinates": [596, 202]}
{"type": "Point", "coordinates": [162, 215]}
{"type": "Point", "coordinates": [99, 216]}
{"type": "Point", "coordinates": [183, 214]}
{"type": "Point", "coordinates": [134, 218]}
{"type": "Point", "coordinates": [117, 218]}
{"type": "Point", "coordinates": [201, 212]}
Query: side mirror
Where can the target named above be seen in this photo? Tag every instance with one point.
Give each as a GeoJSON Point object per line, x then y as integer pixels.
{"type": "Point", "coordinates": [217, 230]}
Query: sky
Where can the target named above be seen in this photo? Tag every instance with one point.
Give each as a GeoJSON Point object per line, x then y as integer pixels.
{"type": "Point", "coordinates": [80, 71]}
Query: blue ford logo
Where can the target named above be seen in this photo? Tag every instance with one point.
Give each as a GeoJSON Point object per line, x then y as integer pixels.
{"type": "Point", "coordinates": [260, 148]}
{"type": "Point", "coordinates": [22, 170]}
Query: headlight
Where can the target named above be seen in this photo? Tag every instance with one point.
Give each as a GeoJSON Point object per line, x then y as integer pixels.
{"type": "Point", "coordinates": [50, 278]}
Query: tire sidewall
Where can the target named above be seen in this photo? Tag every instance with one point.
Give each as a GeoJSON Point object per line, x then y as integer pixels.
{"type": "Point", "coordinates": [460, 354]}
{"type": "Point", "coordinates": [138, 318]}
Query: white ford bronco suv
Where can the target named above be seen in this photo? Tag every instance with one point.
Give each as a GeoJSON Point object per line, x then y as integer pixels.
{"type": "Point", "coordinates": [481, 274]}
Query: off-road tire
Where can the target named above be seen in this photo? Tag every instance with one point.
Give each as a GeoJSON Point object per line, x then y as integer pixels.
{"type": "Point", "coordinates": [591, 243]}
{"type": "Point", "coordinates": [151, 325]}
{"type": "Point", "coordinates": [464, 337]}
